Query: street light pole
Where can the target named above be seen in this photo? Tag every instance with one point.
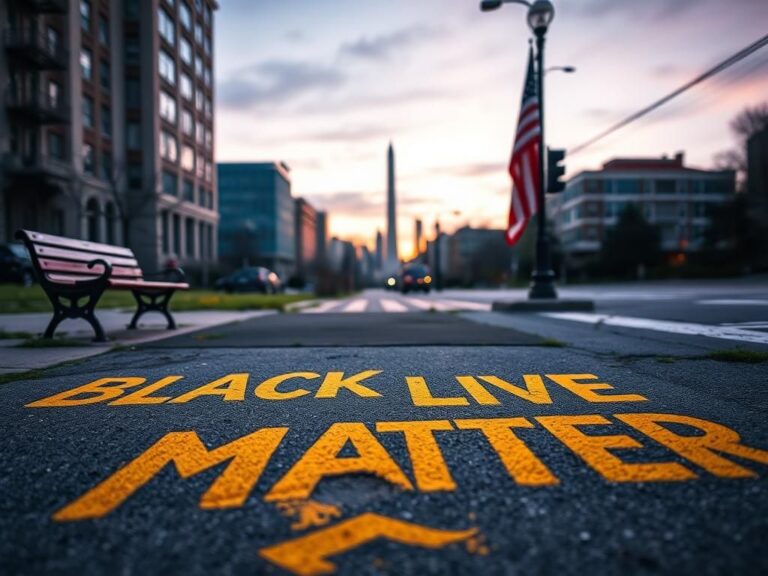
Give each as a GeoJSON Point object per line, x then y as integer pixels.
{"type": "Point", "coordinates": [438, 268]}
{"type": "Point", "coordinates": [543, 278]}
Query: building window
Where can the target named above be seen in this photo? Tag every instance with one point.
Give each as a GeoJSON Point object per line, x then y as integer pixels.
{"type": "Point", "coordinates": [52, 40]}
{"type": "Point", "coordinates": [132, 93]}
{"type": "Point", "coordinates": [208, 172]}
{"type": "Point", "coordinates": [169, 147]}
{"type": "Point", "coordinates": [106, 166]}
{"type": "Point", "coordinates": [87, 112]}
{"type": "Point", "coordinates": [200, 134]}
{"type": "Point", "coordinates": [134, 176]}
{"type": "Point", "coordinates": [666, 186]}
{"type": "Point", "coordinates": [199, 66]}
{"type": "Point", "coordinates": [131, 50]}
{"type": "Point", "coordinates": [187, 91]}
{"type": "Point", "coordinates": [200, 166]}
{"type": "Point", "coordinates": [86, 63]}
{"type": "Point", "coordinates": [103, 30]}
{"type": "Point", "coordinates": [208, 108]}
{"type": "Point", "coordinates": [208, 15]}
{"type": "Point", "coordinates": [185, 51]}
{"type": "Point", "coordinates": [207, 45]}
{"type": "Point", "coordinates": [208, 75]}
{"type": "Point", "coordinates": [85, 15]}
{"type": "Point", "coordinates": [209, 139]}
{"type": "Point", "coordinates": [167, 67]}
{"type": "Point", "coordinates": [198, 33]}
{"type": "Point", "coordinates": [111, 216]}
{"type": "Point", "coordinates": [133, 136]}
{"type": "Point", "coordinates": [185, 15]}
{"type": "Point", "coordinates": [104, 74]}
{"type": "Point", "coordinates": [189, 234]}
{"type": "Point", "coordinates": [187, 123]}
{"type": "Point", "coordinates": [169, 183]}
{"type": "Point", "coordinates": [188, 158]}
{"type": "Point", "coordinates": [54, 94]}
{"type": "Point", "coordinates": [55, 145]}
{"type": "Point", "coordinates": [167, 107]}
{"type": "Point", "coordinates": [131, 9]}
{"type": "Point", "coordinates": [88, 163]}
{"type": "Point", "coordinates": [106, 121]}
{"type": "Point", "coordinates": [166, 26]}
{"type": "Point", "coordinates": [92, 220]}
{"type": "Point", "coordinates": [176, 234]}
{"type": "Point", "coordinates": [164, 231]}
{"type": "Point", "coordinates": [188, 190]}
{"type": "Point", "coordinates": [199, 100]}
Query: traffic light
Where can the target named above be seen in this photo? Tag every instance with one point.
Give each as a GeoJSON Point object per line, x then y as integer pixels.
{"type": "Point", "coordinates": [555, 170]}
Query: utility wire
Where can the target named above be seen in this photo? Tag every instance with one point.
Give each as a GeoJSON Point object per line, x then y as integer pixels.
{"type": "Point", "coordinates": [727, 63]}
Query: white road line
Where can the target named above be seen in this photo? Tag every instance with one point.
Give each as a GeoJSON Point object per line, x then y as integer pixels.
{"type": "Point", "coordinates": [734, 302]}
{"type": "Point", "coordinates": [322, 308]}
{"type": "Point", "coordinates": [685, 328]}
{"type": "Point", "coordinates": [430, 304]}
{"type": "Point", "coordinates": [392, 306]}
{"type": "Point", "coordinates": [760, 324]}
{"type": "Point", "coordinates": [356, 306]}
{"type": "Point", "coordinates": [466, 305]}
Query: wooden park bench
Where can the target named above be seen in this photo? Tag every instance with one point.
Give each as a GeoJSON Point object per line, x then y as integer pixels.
{"type": "Point", "coordinates": [75, 273]}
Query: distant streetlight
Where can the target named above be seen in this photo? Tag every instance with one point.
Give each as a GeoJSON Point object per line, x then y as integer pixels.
{"type": "Point", "coordinates": [540, 16]}
{"type": "Point", "coordinates": [438, 270]}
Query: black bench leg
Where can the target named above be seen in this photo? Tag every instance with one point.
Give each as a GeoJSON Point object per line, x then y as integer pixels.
{"type": "Point", "coordinates": [87, 311]}
{"type": "Point", "coordinates": [58, 317]}
{"type": "Point", "coordinates": [152, 303]}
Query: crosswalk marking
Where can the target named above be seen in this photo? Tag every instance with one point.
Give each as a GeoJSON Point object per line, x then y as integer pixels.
{"type": "Point", "coordinates": [686, 328]}
{"type": "Point", "coordinates": [321, 308]}
{"type": "Point", "coordinates": [466, 305]}
{"type": "Point", "coordinates": [356, 306]}
{"type": "Point", "coordinates": [392, 306]}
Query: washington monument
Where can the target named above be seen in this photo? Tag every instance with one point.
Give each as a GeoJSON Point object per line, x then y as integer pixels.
{"type": "Point", "coordinates": [392, 260]}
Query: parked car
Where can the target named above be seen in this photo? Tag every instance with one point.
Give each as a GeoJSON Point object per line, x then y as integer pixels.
{"type": "Point", "coordinates": [251, 280]}
{"type": "Point", "coordinates": [16, 265]}
{"type": "Point", "coordinates": [416, 278]}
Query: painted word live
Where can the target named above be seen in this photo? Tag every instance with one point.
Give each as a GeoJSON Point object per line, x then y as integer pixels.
{"type": "Point", "coordinates": [693, 446]}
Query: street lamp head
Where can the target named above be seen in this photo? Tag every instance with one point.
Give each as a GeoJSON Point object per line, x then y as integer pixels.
{"type": "Point", "coordinates": [569, 69]}
{"type": "Point", "coordinates": [489, 5]}
{"type": "Point", "coordinates": [540, 16]}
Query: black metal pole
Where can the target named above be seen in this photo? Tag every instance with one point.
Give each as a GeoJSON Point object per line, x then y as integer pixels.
{"type": "Point", "coordinates": [438, 271]}
{"type": "Point", "coordinates": [543, 278]}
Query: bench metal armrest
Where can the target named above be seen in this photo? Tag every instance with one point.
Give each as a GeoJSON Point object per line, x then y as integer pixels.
{"type": "Point", "coordinates": [107, 267]}
{"type": "Point", "coordinates": [176, 273]}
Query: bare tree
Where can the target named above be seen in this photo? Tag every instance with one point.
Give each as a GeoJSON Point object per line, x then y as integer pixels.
{"type": "Point", "coordinates": [746, 124]}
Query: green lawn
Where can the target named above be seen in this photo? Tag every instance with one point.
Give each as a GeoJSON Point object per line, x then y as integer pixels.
{"type": "Point", "coordinates": [16, 299]}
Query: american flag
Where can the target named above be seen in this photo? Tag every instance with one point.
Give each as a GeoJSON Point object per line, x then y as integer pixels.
{"type": "Point", "coordinates": [524, 165]}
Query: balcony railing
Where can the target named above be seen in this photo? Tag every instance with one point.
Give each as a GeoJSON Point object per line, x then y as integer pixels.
{"type": "Point", "coordinates": [35, 165]}
{"type": "Point", "coordinates": [36, 49]}
{"type": "Point", "coordinates": [37, 107]}
{"type": "Point", "coordinates": [45, 6]}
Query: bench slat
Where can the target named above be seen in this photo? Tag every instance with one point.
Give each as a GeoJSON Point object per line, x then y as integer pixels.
{"type": "Point", "coordinates": [82, 268]}
{"type": "Point", "coordinates": [79, 245]}
{"type": "Point", "coordinates": [142, 284]}
{"type": "Point", "coordinates": [59, 253]}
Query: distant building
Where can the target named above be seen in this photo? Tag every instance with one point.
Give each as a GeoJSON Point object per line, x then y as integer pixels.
{"type": "Point", "coordinates": [322, 238]}
{"type": "Point", "coordinates": [419, 238]}
{"type": "Point", "coordinates": [306, 238]}
{"type": "Point", "coordinates": [106, 124]}
{"type": "Point", "coordinates": [258, 219]}
{"type": "Point", "coordinates": [674, 197]}
{"type": "Point", "coordinates": [379, 258]}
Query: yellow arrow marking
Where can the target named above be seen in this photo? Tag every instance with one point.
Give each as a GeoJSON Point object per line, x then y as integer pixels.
{"type": "Point", "coordinates": [308, 555]}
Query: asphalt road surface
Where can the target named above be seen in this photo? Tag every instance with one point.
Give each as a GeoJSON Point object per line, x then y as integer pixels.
{"type": "Point", "coordinates": [366, 437]}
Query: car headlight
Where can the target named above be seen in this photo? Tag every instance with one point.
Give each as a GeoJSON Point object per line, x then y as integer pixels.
{"type": "Point", "coordinates": [391, 282]}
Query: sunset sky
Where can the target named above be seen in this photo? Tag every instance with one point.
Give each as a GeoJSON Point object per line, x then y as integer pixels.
{"type": "Point", "coordinates": [325, 84]}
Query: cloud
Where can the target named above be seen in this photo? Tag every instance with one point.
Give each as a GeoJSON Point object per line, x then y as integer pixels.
{"type": "Point", "coordinates": [364, 204]}
{"type": "Point", "coordinates": [350, 133]}
{"type": "Point", "coordinates": [277, 81]}
{"type": "Point", "coordinates": [383, 47]}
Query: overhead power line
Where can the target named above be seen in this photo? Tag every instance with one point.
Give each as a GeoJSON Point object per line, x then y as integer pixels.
{"type": "Point", "coordinates": [740, 55]}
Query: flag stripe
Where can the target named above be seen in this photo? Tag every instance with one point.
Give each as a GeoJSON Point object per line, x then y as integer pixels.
{"type": "Point", "coordinates": [524, 164]}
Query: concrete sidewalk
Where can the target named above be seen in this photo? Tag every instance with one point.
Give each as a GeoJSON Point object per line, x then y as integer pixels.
{"type": "Point", "coordinates": [152, 327]}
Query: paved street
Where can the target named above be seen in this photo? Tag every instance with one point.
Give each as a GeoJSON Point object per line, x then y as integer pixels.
{"type": "Point", "coordinates": [390, 434]}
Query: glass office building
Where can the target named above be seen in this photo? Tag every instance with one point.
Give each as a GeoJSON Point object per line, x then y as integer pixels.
{"type": "Point", "coordinates": [257, 219]}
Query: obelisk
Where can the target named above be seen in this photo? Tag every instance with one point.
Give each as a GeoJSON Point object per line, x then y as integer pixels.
{"type": "Point", "coordinates": [393, 262]}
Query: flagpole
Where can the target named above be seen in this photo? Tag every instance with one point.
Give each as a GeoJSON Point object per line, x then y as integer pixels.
{"type": "Point", "coordinates": [543, 277]}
